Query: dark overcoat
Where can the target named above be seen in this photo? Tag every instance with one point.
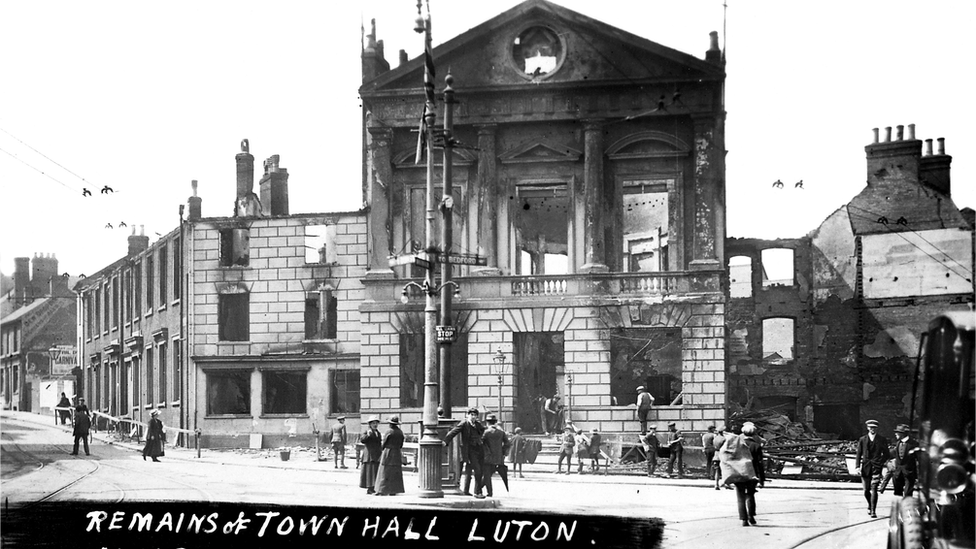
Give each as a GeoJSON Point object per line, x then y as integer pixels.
{"type": "Point", "coordinates": [155, 437]}
{"type": "Point", "coordinates": [372, 450]}
{"type": "Point", "coordinates": [389, 478]}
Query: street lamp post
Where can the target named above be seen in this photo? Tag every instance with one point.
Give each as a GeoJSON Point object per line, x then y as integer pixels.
{"type": "Point", "coordinates": [499, 359]}
{"type": "Point", "coordinates": [569, 399]}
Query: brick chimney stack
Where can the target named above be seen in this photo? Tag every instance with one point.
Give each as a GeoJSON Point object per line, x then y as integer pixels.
{"type": "Point", "coordinates": [138, 244]}
{"type": "Point", "coordinates": [899, 158]}
{"type": "Point", "coordinates": [274, 187]}
{"type": "Point", "coordinates": [21, 280]}
{"type": "Point", "coordinates": [373, 62]}
{"type": "Point", "coordinates": [195, 203]}
{"type": "Point", "coordinates": [714, 53]}
{"type": "Point", "coordinates": [934, 171]}
{"type": "Point", "coordinates": [43, 269]}
{"type": "Point", "coordinates": [245, 172]}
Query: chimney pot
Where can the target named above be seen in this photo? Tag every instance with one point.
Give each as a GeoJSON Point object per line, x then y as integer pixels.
{"type": "Point", "coordinates": [899, 133]}
{"type": "Point", "coordinates": [911, 132]}
{"type": "Point", "coordinates": [887, 134]}
{"type": "Point", "coordinates": [876, 131]}
{"type": "Point", "coordinates": [928, 147]}
{"type": "Point", "coordinates": [941, 141]}
{"type": "Point", "coordinates": [403, 57]}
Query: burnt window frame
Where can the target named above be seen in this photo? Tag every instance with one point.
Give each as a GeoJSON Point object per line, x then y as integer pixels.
{"type": "Point", "coordinates": [240, 324]}
{"type": "Point", "coordinates": [243, 376]}
{"type": "Point", "coordinates": [299, 405]}
{"type": "Point", "coordinates": [352, 396]}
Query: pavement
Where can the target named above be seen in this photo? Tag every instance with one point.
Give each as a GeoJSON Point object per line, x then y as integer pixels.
{"type": "Point", "coordinates": [305, 459]}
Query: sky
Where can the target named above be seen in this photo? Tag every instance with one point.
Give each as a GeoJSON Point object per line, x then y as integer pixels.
{"type": "Point", "coordinates": [144, 97]}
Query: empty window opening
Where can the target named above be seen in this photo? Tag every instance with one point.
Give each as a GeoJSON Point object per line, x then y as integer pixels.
{"type": "Point", "coordinates": [537, 51]}
{"type": "Point", "coordinates": [321, 315]}
{"type": "Point", "coordinates": [320, 244]}
{"type": "Point", "coordinates": [412, 370]}
{"type": "Point", "coordinates": [233, 317]}
{"type": "Point", "coordinates": [778, 340]}
{"type": "Point", "coordinates": [285, 392]}
{"type": "Point", "coordinates": [344, 393]}
{"type": "Point", "coordinates": [740, 276]}
{"type": "Point", "coordinates": [777, 266]}
{"type": "Point", "coordinates": [541, 227]}
{"type": "Point", "coordinates": [234, 247]}
{"type": "Point", "coordinates": [229, 392]}
{"type": "Point", "coordinates": [645, 246]}
{"type": "Point", "coordinates": [645, 356]}
{"type": "Point", "coordinates": [163, 275]}
{"type": "Point", "coordinates": [150, 281]}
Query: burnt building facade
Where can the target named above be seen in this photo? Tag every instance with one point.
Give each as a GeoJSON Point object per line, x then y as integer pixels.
{"type": "Point", "coordinates": [589, 176]}
{"type": "Point", "coordinates": [825, 328]}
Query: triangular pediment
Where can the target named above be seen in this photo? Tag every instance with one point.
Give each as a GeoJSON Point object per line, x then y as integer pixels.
{"type": "Point", "coordinates": [540, 151]}
{"type": "Point", "coordinates": [540, 43]}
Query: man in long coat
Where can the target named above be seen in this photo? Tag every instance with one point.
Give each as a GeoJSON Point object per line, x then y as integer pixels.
{"type": "Point", "coordinates": [472, 450]}
{"type": "Point", "coordinates": [906, 462]}
{"type": "Point", "coordinates": [496, 446]}
{"type": "Point", "coordinates": [389, 478]}
{"type": "Point", "coordinates": [872, 453]}
{"type": "Point", "coordinates": [82, 426]}
{"type": "Point", "coordinates": [372, 442]}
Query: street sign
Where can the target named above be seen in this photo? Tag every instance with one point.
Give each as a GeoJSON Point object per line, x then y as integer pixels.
{"type": "Point", "coordinates": [446, 334]}
{"type": "Point", "coordinates": [397, 260]}
{"type": "Point", "coordinates": [461, 259]}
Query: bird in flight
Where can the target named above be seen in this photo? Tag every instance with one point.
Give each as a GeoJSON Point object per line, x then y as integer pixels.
{"type": "Point", "coordinates": [778, 184]}
{"type": "Point", "coordinates": [883, 220]}
{"type": "Point", "coordinates": [122, 224]}
{"type": "Point", "coordinates": [799, 184]}
{"type": "Point", "coordinates": [108, 226]}
{"type": "Point", "coordinates": [902, 221]}
{"type": "Point", "coordinates": [106, 189]}
{"type": "Point", "coordinates": [85, 192]}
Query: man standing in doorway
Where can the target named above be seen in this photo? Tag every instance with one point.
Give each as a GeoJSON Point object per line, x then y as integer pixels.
{"type": "Point", "coordinates": [872, 453]}
{"type": "Point", "coordinates": [552, 415]}
{"type": "Point", "coordinates": [472, 450]}
{"type": "Point", "coordinates": [644, 403]}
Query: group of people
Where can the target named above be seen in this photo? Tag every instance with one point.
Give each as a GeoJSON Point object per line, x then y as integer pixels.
{"type": "Point", "coordinates": [82, 423]}
{"type": "Point", "coordinates": [381, 471]}
{"type": "Point", "coordinates": [877, 463]}
{"type": "Point", "coordinates": [586, 447]}
{"type": "Point", "coordinates": [674, 443]}
{"type": "Point", "coordinates": [483, 450]}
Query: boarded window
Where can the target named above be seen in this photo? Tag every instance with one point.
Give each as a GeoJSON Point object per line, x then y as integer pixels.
{"type": "Point", "coordinates": [235, 247]}
{"type": "Point", "coordinates": [777, 265]}
{"type": "Point", "coordinates": [285, 392]}
{"type": "Point", "coordinates": [150, 281]}
{"type": "Point", "coordinates": [233, 317]}
{"type": "Point", "coordinates": [412, 374]}
{"type": "Point", "coordinates": [229, 392]}
{"type": "Point", "coordinates": [778, 340]}
{"type": "Point", "coordinates": [645, 356]}
{"type": "Point", "coordinates": [137, 293]}
{"type": "Point", "coordinates": [150, 373]}
{"type": "Point", "coordinates": [740, 276]}
{"type": "Point", "coordinates": [344, 394]}
{"type": "Point", "coordinates": [163, 382]}
{"type": "Point", "coordinates": [177, 268]}
{"type": "Point", "coordinates": [163, 275]}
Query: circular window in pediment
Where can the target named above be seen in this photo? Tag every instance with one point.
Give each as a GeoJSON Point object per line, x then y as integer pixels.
{"type": "Point", "coordinates": [538, 52]}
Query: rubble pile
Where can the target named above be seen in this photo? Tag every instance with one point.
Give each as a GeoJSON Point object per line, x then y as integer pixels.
{"type": "Point", "coordinates": [794, 448]}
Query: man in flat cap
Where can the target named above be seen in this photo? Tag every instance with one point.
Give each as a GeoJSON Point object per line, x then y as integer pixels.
{"type": "Point", "coordinates": [644, 403]}
{"type": "Point", "coordinates": [872, 453]}
{"type": "Point", "coordinates": [906, 462]}
{"type": "Point", "coordinates": [338, 441]}
{"type": "Point", "coordinates": [472, 450]}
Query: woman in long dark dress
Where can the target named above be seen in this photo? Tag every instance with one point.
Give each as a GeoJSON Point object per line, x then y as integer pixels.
{"type": "Point", "coordinates": [155, 437]}
{"type": "Point", "coordinates": [389, 479]}
{"type": "Point", "coordinates": [372, 449]}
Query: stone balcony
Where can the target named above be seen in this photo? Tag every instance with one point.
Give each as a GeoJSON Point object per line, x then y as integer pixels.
{"type": "Point", "coordinates": [569, 287]}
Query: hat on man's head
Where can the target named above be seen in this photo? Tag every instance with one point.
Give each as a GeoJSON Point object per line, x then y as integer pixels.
{"type": "Point", "coordinates": [490, 418]}
{"type": "Point", "coordinates": [711, 428]}
{"type": "Point", "coordinates": [81, 398]}
{"type": "Point", "coordinates": [593, 430]}
{"type": "Point", "coordinates": [373, 418]}
{"type": "Point", "coordinates": [154, 413]}
{"type": "Point", "coordinates": [871, 423]}
{"type": "Point", "coordinates": [641, 388]}
{"type": "Point", "coordinates": [341, 418]}
{"type": "Point", "coordinates": [518, 430]}
{"type": "Point", "coordinates": [652, 427]}
{"type": "Point", "coordinates": [473, 410]}
{"type": "Point", "coordinates": [902, 428]}
{"type": "Point", "coordinates": [748, 428]}
{"type": "Point", "coordinates": [568, 428]}
{"type": "Point", "coordinates": [672, 424]}
{"type": "Point", "coordinates": [395, 420]}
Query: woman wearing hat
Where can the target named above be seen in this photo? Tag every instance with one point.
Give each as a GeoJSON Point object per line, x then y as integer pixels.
{"type": "Point", "coordinates": [155, 438]}
{"type": "Point", "coordinates": [372, 442]}
{"type": "Point", "coordinates": [389, 478]}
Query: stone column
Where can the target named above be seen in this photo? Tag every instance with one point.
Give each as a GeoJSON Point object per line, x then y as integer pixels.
{"type": "Point", "coordinates": [708, 174]}
{"type": "Point", "coordinates": [381, 185]}
{"type": "Point", "coordinates": [594, 254]}
{"type": "Point", "coordinates": [487, 199]}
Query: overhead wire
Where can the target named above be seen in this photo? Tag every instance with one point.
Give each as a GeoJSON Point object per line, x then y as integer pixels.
{"type": "Point", "coordinates": [55, 162]}
{"type": "Point", "coordinates": [38, 170]}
